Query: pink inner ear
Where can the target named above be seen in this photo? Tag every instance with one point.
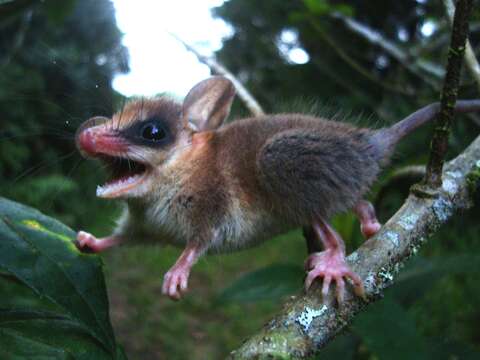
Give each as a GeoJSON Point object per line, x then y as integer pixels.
{"type": "Point", "coordinates": [208, 104]}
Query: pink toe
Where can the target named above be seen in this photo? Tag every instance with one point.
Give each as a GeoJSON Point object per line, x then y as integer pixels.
{"type": "Point", "coordinates": [340, 290]}
{"type": "Point", "coordinates": [370, 229]}
{"type": "Point", "coordinates": [326, 285]}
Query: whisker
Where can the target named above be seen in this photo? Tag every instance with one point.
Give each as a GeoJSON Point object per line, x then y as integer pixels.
{"type": "Point", "coordinates": [34, 169]}
{"type": "Point", "coordinates": [69, 175]}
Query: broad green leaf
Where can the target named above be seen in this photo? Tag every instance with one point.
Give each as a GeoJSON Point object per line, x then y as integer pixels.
{"type": "Point", "coordinates": [16, 295]}
{"type": "Point", "coordinates": [389, 331]}
{"type": "Point", "coordinates": [40, 253]}
{"type": "Point", "coordinates": [269, 283]}
{"type": "Point", "coordinates": [45, 333]}
{"type": "Point", "coordinates": [16, 347]}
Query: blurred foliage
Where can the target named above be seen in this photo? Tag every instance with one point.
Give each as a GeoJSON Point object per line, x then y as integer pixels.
{"type": "Point", "coordinates": [55, 71]}
{"type": "Point", "coordinates": [65, 313]}
{"type": "Point", "coordinates": [57, 61]}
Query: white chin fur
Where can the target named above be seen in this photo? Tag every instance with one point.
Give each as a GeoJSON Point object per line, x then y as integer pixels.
{"type": "Point", "coordinates": [120, 187]}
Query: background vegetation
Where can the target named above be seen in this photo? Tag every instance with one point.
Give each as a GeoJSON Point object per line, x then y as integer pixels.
{"type": "Point", "coordinates": [57, 60]}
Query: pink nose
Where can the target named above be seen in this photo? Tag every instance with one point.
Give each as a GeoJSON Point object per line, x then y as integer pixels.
{"type": "Point", "coordinates": [97, 140]}
{"type": "Point", "coordinates": [87, 142]}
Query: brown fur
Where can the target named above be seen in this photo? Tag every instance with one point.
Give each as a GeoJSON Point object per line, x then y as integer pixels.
{"type": "Point", "coordinates": [232, 185]}
{"type": "Point", "coordinates": [144, 108]}
{"type": "Point", "coordinates": [289, 167]}
{"type": "Point", "coordinates": [208, 187]}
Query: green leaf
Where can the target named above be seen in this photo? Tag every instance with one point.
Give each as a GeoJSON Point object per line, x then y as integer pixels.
{"type": "Point", "coordinates": [48, 332]}
{"type": "Point", "coordinates": [318, 7]}
{"type": "Point", "coordinates": [269, 283]}
{"type": "Point", "coordinates": [40, 253]}
{"type": "Point", "coordinates": [389, 331]}
{"type": "Point", "coordinates": [17, 347]}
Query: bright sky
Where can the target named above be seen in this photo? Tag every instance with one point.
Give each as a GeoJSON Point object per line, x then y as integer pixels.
{"type": "Point", "coordinates": [158, 62]}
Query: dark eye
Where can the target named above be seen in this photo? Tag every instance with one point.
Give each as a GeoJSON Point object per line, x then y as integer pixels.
{"type": "Point", "coordinates": [153, 132]}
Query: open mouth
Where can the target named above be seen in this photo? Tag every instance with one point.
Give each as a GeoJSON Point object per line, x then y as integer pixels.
{"type": "Point", "coordinates": [125, 175]}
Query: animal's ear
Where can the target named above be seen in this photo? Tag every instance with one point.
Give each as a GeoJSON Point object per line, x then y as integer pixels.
{"type": "Point", "coordinates": [208, 104]}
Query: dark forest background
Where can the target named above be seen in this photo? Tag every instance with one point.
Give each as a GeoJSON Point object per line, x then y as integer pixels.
{"type": "Point", "coordinates": [57, 62]}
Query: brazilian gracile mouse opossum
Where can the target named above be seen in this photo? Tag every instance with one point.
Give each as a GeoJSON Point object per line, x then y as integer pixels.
{"type": "Point", "coordinates": [190, 181]}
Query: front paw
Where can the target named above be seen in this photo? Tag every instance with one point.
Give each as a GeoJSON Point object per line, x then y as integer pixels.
{"type": "Point", "coordinates": [86, 242]}
{"type": "Point", "coordinates": [175, 283]}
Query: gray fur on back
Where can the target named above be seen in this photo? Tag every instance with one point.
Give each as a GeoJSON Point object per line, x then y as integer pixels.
{"type": "Point", "coordinates": [318, 171]}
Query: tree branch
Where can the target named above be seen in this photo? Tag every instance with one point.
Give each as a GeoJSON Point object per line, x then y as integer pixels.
{"type": "Point", "coordinates": [444, 120]}
{"type": "Point", "coordinates": [305, 325]}
{"type": "Point", "coordinates": [249, 101]}
{"type": "Point", "coordinates": [355, 65]}
{"type": "Point", "coordinates": [418, 67]}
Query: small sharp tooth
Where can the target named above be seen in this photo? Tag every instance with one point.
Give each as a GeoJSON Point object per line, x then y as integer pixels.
{"type": "Point", "coordinates": [100, 190]}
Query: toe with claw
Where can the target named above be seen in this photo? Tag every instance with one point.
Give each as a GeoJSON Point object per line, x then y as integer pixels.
{"type": "Point", "coordinates": [175, 282]}
{"type": "Point", "coordinates": [369, 224]}
{"type": "Point", "coordinates": [330, 265]}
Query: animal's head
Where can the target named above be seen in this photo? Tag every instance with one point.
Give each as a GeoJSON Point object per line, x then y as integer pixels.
{"type": "Point", "coordinates": [138, 142]}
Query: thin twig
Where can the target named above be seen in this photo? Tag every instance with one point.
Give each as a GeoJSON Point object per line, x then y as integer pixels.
{"type": "Point", "coordinates": [456, 52]}
{"type": "Point", "coordinates": [419, 67]}
{"type": "Point", "coordinates": [250, 103]}
{"type": "Point", "coordinates": [470, 59]}
{"type": "Point", "coordinates": [19, 37]}
{"type": "Point", "coordinates": [355, 65]}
